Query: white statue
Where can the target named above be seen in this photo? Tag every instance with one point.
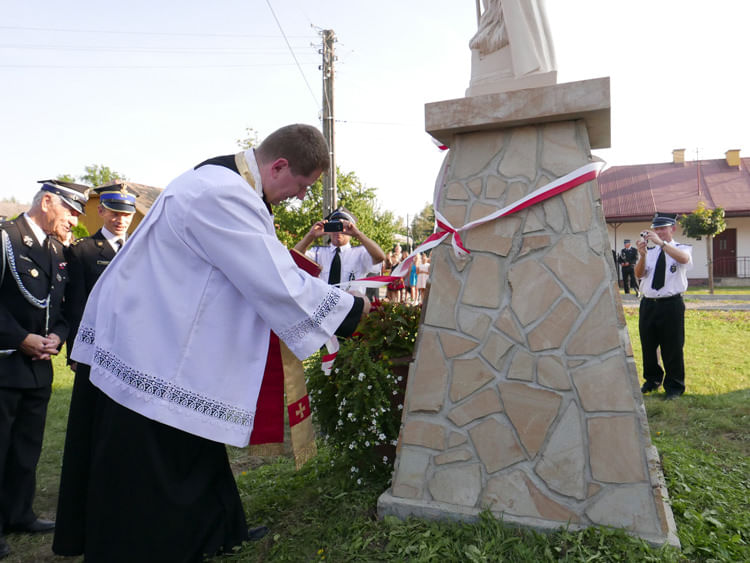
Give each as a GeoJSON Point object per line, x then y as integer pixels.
{"type": "Point", "coordinates": [512, 48]}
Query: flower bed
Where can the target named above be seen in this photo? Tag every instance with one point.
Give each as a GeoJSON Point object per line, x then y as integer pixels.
{"type": "Point", "coordinates": [358, 407]}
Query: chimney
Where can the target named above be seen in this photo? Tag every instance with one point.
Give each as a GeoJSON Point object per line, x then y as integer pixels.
{"type": "Point", "coordinates": [678, 156]}
{"type": "Point", "coordinates": [733, 157]}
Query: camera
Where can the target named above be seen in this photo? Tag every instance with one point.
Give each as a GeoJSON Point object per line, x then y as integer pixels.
{"type": "Point", "coordinates": [644, 234]}
{"type": "Point", "coordinates": [334, 226]}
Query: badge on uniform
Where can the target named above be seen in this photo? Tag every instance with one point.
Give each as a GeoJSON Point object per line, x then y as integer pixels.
{"type": "Point", "coordinates": [673, 268]}
{"type": "Point", "coordinates": [99, 243]}
{"type": "Point", "coordinates": [34, 272]}
{"type": "Point", "coordinates": [28, 241]}
{"type": "Point", "coordinates": [102, 262]}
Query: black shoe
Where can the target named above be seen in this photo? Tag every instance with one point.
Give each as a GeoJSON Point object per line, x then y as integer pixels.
{"type": "Point", "coordinates": [38, 526]}
{"type": "Point", "coordinates": [4, 548]}
{"type": "Point", "coordinates": [649, 386]}
{"type": "Point", "coordinates": [255, 534]}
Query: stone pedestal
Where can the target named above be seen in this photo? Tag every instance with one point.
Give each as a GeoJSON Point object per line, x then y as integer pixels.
{"type": "Point", "coordinates": [523, 397]}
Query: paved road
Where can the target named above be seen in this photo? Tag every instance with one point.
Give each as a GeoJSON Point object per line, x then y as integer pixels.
{"type": "Point", "coordinates": [715, 302]}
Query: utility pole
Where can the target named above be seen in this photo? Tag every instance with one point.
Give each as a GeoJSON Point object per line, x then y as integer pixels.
{"type": "Point", "coordinates": [329, 176]}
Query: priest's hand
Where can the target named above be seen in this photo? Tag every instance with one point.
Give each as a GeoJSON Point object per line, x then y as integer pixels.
{"type": "Point", "coordinates": [366, 308]}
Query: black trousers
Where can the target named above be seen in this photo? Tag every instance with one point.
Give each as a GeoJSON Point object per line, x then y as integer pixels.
{"type": "Point", "coordinates": [133, 489]}
{"type": "Point", "coordinates": [661, 324]}
{"type": "Point", "coordinates": [22, 416]}
{"type": "Point", "coordinates": [628, 279]}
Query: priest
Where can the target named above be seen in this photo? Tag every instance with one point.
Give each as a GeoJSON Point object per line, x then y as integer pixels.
{"type": "Point", "coordinates": [171, 352]}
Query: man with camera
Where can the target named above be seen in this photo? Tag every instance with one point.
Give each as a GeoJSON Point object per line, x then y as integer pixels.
{"type": "Point", "coordinates": [662, 271]}
{"type": "Point", "coordinates": [627, 259]}
{"type": "Point", "coordinates": [340, 261]}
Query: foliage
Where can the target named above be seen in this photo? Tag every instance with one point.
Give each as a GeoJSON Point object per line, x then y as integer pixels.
{"type": "Point", "coordinates": [703, 222]}
{"type": "Point", "coordinates": [358, 406]}
{"type": "Point", "coordinates": [423, 224]}
{"type": "Point", "coordinates": [80, 231]}
{"type": "Point", "coordinates": [250, 140]}
{"type": "Point", "coordinates": [94, 175]}
{"type": "Point", "coordinates": [294, 218]}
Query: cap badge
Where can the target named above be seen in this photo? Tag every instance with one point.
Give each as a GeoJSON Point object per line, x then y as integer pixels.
{"type": "Point", "coordinates": [34, 273]}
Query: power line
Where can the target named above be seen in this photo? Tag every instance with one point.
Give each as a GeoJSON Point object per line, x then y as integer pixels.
{"type": "Point", "coordinates": [136, 49]}
{"type": "Point", "coordinates": [161, 33]}
{"type": "Point", "coordinates": [109, 67]}
{"type": "Point", "coordinates": [293, 55]}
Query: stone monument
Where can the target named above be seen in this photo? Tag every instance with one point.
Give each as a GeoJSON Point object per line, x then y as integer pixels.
{"type": "Point", "coordinates": [523, 397]}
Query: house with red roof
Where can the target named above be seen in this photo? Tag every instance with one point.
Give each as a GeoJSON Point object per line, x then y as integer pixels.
{"type": "Point", "coordinates": [630, 196]}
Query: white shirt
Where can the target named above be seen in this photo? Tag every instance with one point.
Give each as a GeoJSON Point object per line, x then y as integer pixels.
{"type": "Point", "coordinates": [356, 262]}
{"type": "Point", "coordinates": [111, 238]}
{"type": "Point", "coordinates": [177, 327]}
{"type": "Point", "coordinates": [675, 275]}
{"type": "Point", "coordinates": [39, 233]}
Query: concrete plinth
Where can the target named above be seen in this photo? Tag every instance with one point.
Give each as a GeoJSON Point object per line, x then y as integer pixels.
{"type": "Point", "coordinates": [523, 397]}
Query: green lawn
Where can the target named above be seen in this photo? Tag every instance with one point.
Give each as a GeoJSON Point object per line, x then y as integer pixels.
{"type": "Point", "coordinates": [320, 514]}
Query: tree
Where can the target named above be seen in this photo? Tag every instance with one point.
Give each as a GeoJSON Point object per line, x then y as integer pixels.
{"type": "Point", "coordinates": [97, 174]}
{"type": "Point", "coordinates": [294, 218]}
{"type": "Point", "coordinates": [250, 141]}
{"type": "Point", "coordinates": [708, 223]}
{"type": "Point", "coordinates": [423, 224]}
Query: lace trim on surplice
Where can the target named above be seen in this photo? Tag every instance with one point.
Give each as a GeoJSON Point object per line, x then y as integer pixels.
{"type": "Point", "coordinates": [299, 332]}
{"type": "Point", "coordinates": [165, 390]}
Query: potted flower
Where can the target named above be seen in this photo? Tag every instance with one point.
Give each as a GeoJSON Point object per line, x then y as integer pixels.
{"type": "Point", "coordinates": [358, 406]}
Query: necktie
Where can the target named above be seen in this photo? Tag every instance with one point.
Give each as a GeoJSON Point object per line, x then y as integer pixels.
{"type": "Point", "coordinates": [118, 245]}
{"type": "Point", "coordinates": [659, 271]}
{"type": "Point", "coordinates": [334, 275]}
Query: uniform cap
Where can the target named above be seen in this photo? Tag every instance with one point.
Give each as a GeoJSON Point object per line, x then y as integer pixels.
{"type": "Point", "coordinates": [74, 195]}
{"type": "Point", "coordinates": [341, 213]}
{"type": "Point", "coordinates": [663, 220]}
{"type": "Point", "coordinates": [115, 196]}
{"type": "Point", "coordinates": [626, 241]}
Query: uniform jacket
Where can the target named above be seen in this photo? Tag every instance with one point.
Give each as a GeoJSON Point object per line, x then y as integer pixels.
{"type": "Point", "coordinates": [42, 271]}
{"type": "Point", "coordinates": [629, 255]}
{"type": "Point", "coordinates": [87, 257]}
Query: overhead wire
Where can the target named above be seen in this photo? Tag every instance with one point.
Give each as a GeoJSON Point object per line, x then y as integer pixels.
{"type": "Point", "coordinates": [281, 29]}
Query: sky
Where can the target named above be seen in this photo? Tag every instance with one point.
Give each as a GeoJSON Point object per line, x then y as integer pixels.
{"type": "Point", "coordinates": [152, 87]}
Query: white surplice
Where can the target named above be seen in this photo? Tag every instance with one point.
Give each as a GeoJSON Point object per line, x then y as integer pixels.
{"type": "Point", "coordinates": [177, 327]}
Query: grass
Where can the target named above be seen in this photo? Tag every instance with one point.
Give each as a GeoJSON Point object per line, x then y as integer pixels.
{"type": "Point", "coordinates": [319, 514]}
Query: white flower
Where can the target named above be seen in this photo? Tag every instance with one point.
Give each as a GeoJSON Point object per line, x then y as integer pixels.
{"type": "Point", "coordinates": [354, 469]}
{"type": "Point", "coordinates": [343, 402]}
{"type": "Point", "coordinates": [394, 442]}
{"type": "Point", "coordinates": [385, 459]}
{"type": "Point", "coordinates": [359, 481]}
{"type": "Point", "coordinates": [399, 378]}
{"type": "Point", "coordinates": [401, 407]}
{"type": "Point", "coordinates": [351, 446]}
{"type": "Point", "coordinates": [367, 443]}
{"type": "Point", "coordinates": [395, 392]}
{"type": "Point", "coordinates": [369, 387]}
{"type": "Point", "coordinates": [381, 436]}
{"type": "Point", "coordinates": [361, 377]}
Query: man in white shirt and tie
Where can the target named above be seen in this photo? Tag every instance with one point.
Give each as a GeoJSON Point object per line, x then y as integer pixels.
{"type": "Point", "coordinates": [88, 257]}
{"type": "Point", "coordinates": [662, 273]}
{"type": "Point", "coordinates": [340, 261]}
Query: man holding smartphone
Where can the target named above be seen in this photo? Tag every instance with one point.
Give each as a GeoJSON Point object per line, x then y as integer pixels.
{"type": "Point", "coordinates": [340, 261]}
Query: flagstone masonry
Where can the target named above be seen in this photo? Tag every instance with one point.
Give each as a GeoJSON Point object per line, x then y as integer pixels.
{"type": "Point", "coordinates": [523, 397]}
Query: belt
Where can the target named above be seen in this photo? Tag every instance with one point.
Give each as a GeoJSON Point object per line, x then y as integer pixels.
{"type": "Point", "coordinates": [677, 296]}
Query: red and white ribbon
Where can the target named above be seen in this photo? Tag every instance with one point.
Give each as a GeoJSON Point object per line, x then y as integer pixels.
{"type": "Point", "coordinates": [444, 229]}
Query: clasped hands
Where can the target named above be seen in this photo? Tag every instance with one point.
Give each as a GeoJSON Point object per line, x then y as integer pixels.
{"type": "Point", "coordinates": [40, 347]}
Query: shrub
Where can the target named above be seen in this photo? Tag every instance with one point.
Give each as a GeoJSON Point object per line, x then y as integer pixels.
{"type": "Point", "coordinates": [358, 406]}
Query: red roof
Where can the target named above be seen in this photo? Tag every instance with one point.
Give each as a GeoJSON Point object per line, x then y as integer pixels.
{"type": "Point", "coordinates": [634, 193]}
